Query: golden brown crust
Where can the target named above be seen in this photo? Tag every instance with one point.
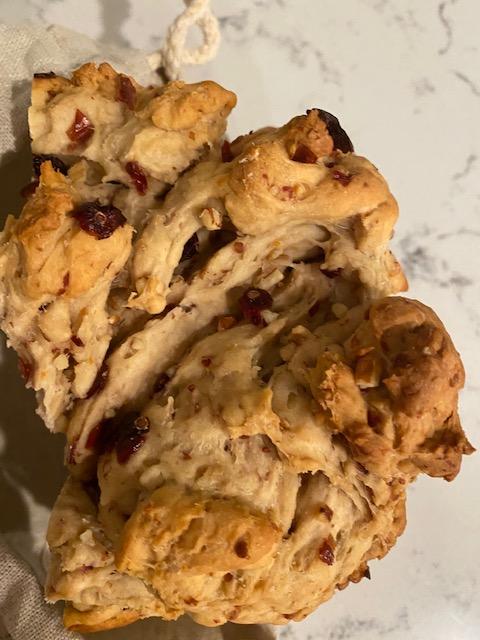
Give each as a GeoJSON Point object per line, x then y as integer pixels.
{"type": "Point", "coordinates": [161, 129]}
{"type": "Point", "coordinates": [97, 619]}
{"type": "Point", "coordinates": [270, 463]}
{"type": "Point", "coordinates": [193, 533]}
{"type": "Point", "coordinates": [222, 512]}
{"type": "Point", "coordinates": [58, 255]}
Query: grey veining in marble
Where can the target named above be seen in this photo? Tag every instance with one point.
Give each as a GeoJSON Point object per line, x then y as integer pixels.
{"type": "Point", "coordinates": [404, 77]}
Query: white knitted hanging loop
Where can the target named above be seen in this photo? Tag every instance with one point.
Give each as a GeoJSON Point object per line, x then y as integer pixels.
{"type": "Point", "coordinates": [174, 55]}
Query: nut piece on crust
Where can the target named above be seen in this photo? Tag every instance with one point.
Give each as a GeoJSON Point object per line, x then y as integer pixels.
{"type": "Point", "coordinates": [271, 466]}
{"type": "Point", "coordinates": [129, 130]}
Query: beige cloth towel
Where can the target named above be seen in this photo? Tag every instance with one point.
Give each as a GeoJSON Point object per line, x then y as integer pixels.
{"type": "Point", "coordinates": [23, 613]}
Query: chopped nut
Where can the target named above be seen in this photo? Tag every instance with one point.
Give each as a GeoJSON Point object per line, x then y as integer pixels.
{"type": "Point", "coordinates": [339, 309]}
{"type": "Point", "coordinates": [367, 371]}
{"type": "Point", "coordinates": [211, 218]}
{"type": "Point", "coordinates": [61, 362]}
{"type": "Point", "coordinates": [226, 322]}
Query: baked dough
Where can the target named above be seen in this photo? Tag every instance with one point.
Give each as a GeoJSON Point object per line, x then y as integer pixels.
{"type": "Point", "coordinates": [209, 324]}
{"type": "Point", "coordinates": [276, 212]}
{"type": "Point", "coordinates": [63, 290]}
{"type": "Point", "coordinates": [249, 493]}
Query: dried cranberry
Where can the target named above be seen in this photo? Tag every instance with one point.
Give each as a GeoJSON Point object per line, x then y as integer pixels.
{"type": "Point", "coordinates": [94, 436]}
{"type": "Point", "coordinates": [77, 341]}
{"type": "Point", "coordinates": [26, 369]}
{"type": "Point", "coordinates": [252, 303]}
{"type": "Point", "coordinates": [99, 382]}
{"type": "Point", "coordinates": [304, 154]}
{"type": "Point", "coordinates": [227, 153]}
{"type": "Point", "coordinates": [337, 133]}
{"type": "Point", "coordinates": [139, 179]}
{"type": "Point", "coordinates": [99, 220]}
{"type": "Point", "coordinates": [131, 439]}
{"type": "Point", "coordinates": [326, 553]}
{"type": "Point", "coordinates": [341, 177]}
{"type": "Point", "coordinates": [57, 164]}
{"type": "Point", "coordinates": [206, 361]}
{"type": "Point", "coordinates": [128, 445]}
{"type": "Point", "coordinates": [81, 129]}
{"type": "Point", "coordinates": [29, 189]}
{"type": "Point", "coordinates": [340, 138]}
{"type": "Point", "coordinates": [366, 574]}
{"type": "Point", "coordinates": [126, 91]}
{"type": "Point", "coordinates": [45, 74]}
{"type": "Point", "coordinates": [190, 248]}
{"type": "Point", "coordinates": [65, 282]}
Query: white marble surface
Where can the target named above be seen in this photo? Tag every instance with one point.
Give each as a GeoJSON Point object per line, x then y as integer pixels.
{"type": "Point", "coordinates": [404, 77]}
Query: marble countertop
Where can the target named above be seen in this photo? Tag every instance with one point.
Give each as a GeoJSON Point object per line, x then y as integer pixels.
{"type": "Point", "coordinates": [404, 77]}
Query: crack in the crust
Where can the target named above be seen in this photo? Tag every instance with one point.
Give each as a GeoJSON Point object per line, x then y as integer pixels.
{"type": "Point", "coordinates": [469, 82]}
{"type": "Point", "coordinates": [471, 160]}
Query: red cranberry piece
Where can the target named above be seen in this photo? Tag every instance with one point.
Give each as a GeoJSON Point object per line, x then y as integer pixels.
{"type": "Point", "coordinates": [66, 282]}
{"type": "Point", "coordinates": [45, 74]}
{"type": "Point", "coordinates": [81, 129]}
{"type": "Point", "coordinates": [190, 248]}
{"type": "Point", "coordinates": [99, 220]}
{"type": "Point", "coordinates": [340, 139]}
{"type": "Point", "coordinates": [131, 438]}
{"type": "Point", "coordinates": [326, 553]}
{"type": "Point", "coordinates": [341, 177]}
{"type": "Point", "coordinates": [94, 436]}
{"type": "Point", "coordinates": [57, 164]}
{"type": "Point", "coordinates": [227, 153]}
{"type": "Point", "coordinates": [26, 369]}
{"type": "Point", "coordinates": [252, 303]}
{"type": "Point", "coordinates": [304, 154]}
{"type": "Point", "coordinates": [126, 91]}
{"type": "Point", "coordinates": [139, 179]}
{"type": "Point", "coordinates": [29, 189]}
{"type": "Point", "coordinates": [127, 446]}
{"type": "Point", "coordinates": [100, 381]}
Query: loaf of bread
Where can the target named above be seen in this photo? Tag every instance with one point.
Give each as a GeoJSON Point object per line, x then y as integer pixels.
{"type": "Point", "coordinates": [210, 325]}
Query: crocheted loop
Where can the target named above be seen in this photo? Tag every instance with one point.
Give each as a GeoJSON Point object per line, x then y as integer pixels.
{"type": "Point", "coordinates": [174, 54]}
